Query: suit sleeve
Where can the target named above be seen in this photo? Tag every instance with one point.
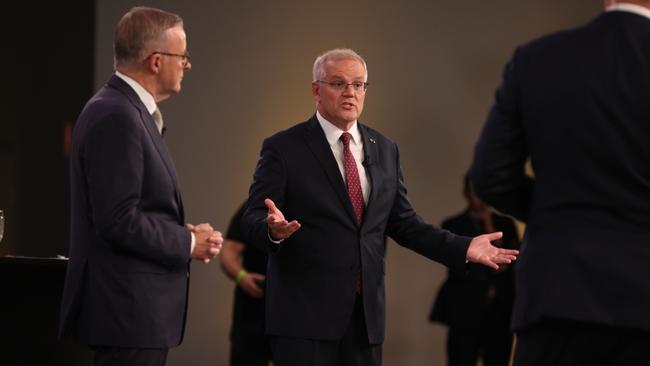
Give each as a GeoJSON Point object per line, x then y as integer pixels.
{"type": "Point", "coordinates": [114, 162]}
{"type": "Point", "coordinates": [498, 171]}
{"type": "Point", "coordinates": [408, 229]}
{"type": "Point", "coordinates": [269, 181]}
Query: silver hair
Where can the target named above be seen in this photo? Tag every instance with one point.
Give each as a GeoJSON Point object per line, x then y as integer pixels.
{"type": "Point", "coordinates": [138, 30]}
{"type": "Point", "coordinates": [336, 54]}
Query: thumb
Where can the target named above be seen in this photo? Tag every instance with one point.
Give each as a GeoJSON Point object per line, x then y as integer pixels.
{"type": "Point", "coordinates": [271, 205]}
{"type": "Point", "coordinates": [494, 236]}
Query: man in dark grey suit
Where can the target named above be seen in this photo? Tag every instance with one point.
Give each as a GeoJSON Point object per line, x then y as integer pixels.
{"type": "Point", "coordinates": [340, 183]}
{"type": "Point", "coordinates": [577, 104]}
{"type": "Point", "coordinates": [126, 287]}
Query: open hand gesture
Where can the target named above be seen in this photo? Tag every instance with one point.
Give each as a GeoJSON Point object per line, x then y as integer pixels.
{"type": "Point", "coordinates": [279, 228]}
{"type": "Point", "coordinates": [482, 251]}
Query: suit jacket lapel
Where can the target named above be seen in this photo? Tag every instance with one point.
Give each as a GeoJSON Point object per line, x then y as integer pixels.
{"type": "Point", "coordinates": [317, 142]}
{"type": "Point", "coordinates": [150, 126]}
{"type": "Point", "coordinates": [370, 163]}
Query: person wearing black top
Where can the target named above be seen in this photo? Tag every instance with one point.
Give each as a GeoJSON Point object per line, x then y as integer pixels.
{"type": "Point", "coordinates": [246, 265]}
{"type": "Point", "coordinates": [477, 306]}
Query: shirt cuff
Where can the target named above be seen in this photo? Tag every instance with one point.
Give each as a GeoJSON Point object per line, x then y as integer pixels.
{"type": "Point", "coordinates": [268, 233]}
{"type": "Point", "coordinates": [193, 244]}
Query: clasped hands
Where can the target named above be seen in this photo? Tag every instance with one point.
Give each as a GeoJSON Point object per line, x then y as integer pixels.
{"type": "Point", "coordinates": [208, 242]}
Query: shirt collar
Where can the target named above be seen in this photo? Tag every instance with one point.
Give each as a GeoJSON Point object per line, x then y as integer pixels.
{"type": "Point", "coordinates": [333, 133]}
{"type": "Point", "coordinates": [631, 8]}
{"type": "Point", "coordinates": [146, 97]}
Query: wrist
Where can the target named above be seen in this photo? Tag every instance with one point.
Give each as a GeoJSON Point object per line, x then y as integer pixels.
{"type": "Point", "coordinates": [274, 241]}
{"type": "Point", "coordinates": [241, 274]}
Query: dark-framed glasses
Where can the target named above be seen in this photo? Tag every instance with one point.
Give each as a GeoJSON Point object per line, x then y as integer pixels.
{"type": "Point", "coordinates": [185, 58]}
{"type": "Point", "coordinates": [359, 86]}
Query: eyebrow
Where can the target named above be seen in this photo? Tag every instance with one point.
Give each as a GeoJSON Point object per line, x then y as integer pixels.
{"type": "Point", "coordinates": [359, 78]}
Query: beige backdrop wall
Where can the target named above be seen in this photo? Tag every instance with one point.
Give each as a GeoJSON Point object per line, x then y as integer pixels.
{"type": "Point", "coordinates": [433, 68]}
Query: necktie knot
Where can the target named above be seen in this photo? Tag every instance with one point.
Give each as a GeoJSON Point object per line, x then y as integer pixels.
{"type": "Point", "coordinates": [346, 137]}
{"type": "Point", "coordinates": [157, 118]}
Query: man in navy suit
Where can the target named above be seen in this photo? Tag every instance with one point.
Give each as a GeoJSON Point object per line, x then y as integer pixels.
{"type": "Point", "coordinates": [340, 184]}
{"type": "Point", "coordinates": [126, 287]}
{"type": "Point", "coordinates": [577, 104]}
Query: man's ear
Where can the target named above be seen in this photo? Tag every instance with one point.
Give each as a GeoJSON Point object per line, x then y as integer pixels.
{"type": "Point", "coordinates": [315, 89]}
{"type": "Point", "coordinates": [153, 63]}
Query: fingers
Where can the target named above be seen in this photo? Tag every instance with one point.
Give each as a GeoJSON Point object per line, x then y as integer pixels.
{"type": "Point", "coordinates": [199, 228]}
{"type": "Point", "coordinates": [293, 226]}
{"type": "Point", "coordinates": [273, 219]}
{"type": "Point", "coordinates": [211, 253]}
{"type": "Point", "coordinates": [502, 260]}
{"type": "Point", "coordinates": [491, 264]}
{"type": "Point", "coordinates": [249, 284]}
{"type": "Point", "coordinates": [203, 228]}
{"type": "Point", "coordinates": [482, 251]}
{"type": "Point", "coordinates": [282, 229]}
{"type": "Point", "coordinates": [216, 238]}
{"type": "Point", "coordinates": [208, 242]}
{"type": "Point", "coordinates": [278, 226]}
{"type": "Point", "coordinates": [257, 276]}
{"type": "Point", "coordinates": [509, 257]}
{"type": "Point", "coordinates": [505, 256]}
{"type": "Point", "coordinates": [512, 252]}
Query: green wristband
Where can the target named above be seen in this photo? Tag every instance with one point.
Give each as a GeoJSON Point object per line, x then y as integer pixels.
{"type": "Point", "coordinates": [242, 272]}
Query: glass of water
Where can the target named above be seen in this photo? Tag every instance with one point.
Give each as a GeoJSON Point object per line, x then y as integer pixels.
{"type": "Point", "coordinates": [2, 224]}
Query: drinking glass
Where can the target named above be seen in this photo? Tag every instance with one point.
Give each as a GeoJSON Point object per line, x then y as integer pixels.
{"type": "Point", "coordinates": [2, 224]}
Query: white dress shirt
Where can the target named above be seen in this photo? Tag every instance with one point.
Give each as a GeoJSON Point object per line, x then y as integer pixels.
{"type": "Point", "coordinates": [333, 135]}
{"type": "Point", "coordinates": [146, 97]}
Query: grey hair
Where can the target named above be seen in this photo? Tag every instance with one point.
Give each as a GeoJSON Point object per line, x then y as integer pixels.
{"type": "Point", "coordinates": [137, 30]}
{"type": "Point", "coordinates": [336, 54]}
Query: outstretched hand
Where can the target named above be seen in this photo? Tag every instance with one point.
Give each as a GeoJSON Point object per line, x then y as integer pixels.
{"type": "Point", "coordinates": [482, 251]}
{"type": "Point", "coordinates": [279, 228]}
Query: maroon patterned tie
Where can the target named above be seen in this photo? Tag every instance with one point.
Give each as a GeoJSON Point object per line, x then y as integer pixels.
{"type": "Point", "coordinates": [354, 189]}
{"type": "Point", "coordinates": [352, 178]}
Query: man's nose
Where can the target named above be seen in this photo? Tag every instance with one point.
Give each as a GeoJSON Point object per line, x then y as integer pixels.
{"type": "Point", "coordinates": [348, 89]}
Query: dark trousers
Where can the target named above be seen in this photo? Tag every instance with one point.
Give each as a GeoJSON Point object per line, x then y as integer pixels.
{"type": "Point", "coordinates": [351, 350]}
{"type": "Point", "coordinates": [489, 340]}
{"type": "Point", "coordinates": [250, 349]}
{"type": "Point", "coordinates": [570, 343]}
{"type": "Point", "coordinates": [466, 346]}
{"type": "Point", "coordinates": [119, 356]}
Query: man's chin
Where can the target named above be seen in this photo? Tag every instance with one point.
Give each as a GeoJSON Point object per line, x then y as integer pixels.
{"type": "Point", "coordinates": [349, 116]}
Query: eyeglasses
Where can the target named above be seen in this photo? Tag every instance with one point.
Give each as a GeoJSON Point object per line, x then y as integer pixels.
{"type": "Point", "coordinates": [185, 58]}
{"type": "Point", "coordinates": [359, 86]}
